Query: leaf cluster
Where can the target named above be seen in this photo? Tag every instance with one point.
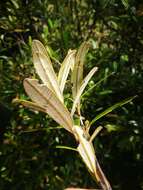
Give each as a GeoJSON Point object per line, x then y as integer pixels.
{"type": "Point", "coordinates": [115, 31]}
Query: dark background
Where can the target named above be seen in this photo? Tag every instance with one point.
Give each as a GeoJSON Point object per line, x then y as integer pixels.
{"type": "Point", "coordinates": [28, 157]}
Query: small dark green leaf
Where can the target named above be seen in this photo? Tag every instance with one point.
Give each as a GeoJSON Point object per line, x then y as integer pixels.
{"type": "Point", "coordinates": [110, 109]}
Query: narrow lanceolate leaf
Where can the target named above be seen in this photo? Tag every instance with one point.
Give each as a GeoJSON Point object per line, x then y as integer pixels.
{"type": "Point", "coordinates": [77, 75]}
{"type": "Point", "coordinates": [44, 68]}
{"type": "Point", "coordinates": [45, 98]}
{"type": "Point", "coordinates": [66, 147]}
{"type": "Point", "coordinates": [81, 89]}
{"type": "Point", "coordinates": [33, 106]}
{"type": "Point", "coordinates": [65, 68]}
{"type": "Point", "coordinates": [110, 109]}
{"type": "Point", "coordinates": [97, 83]}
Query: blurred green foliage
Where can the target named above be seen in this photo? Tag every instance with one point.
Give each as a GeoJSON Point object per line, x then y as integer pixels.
{"type": "Point", "coordinates": [28, 157]}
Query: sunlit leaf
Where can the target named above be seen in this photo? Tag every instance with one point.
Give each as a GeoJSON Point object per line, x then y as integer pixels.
{"type": "Point", "coordinates": [95, 133]}
{"type": "Point", "coordinates": [97, 83]}
{"type": "Point", "coordinates": [125, 3]}
{"type": "Point", "coordinates": [38, 47]}
{"type": "Point", "coordinates": [48, 100]}
{"type": "Point", "coordinates": [77, 75]}
{"type": "Point", "coordinates": [44, 68]}
{"type": "Point", "coordinates": [81, 89]}
{"type": "Point", "coordinates": [112, 127]}
{"type": "Point", "coordinates": [65, 68]}
{"type": "Point", "coordinates": [32, 105]}
{"type": "Point", "coordinates": [66, 147]}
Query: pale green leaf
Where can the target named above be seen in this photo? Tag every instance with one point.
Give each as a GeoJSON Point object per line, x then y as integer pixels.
{"type": "Point", "coordinates": [45, 98]}
{"type": "Point", "coordinates": [81, 89]}
{"type": "Point", "coordinates": [112, 127]}
{"type": "Point", "coordinates": [44, 68]}
{"type": "Point", "coordinates": [77, 74]}
{"type": "Point", "coordinates": [97, 83]}
{"type": "Point", "coordinates": [95, 133]}
{"type": "Point", "coordinates": [32, 105]}
{"type": "Point", "coordinates": [65, 68]}
{"type": "Point", "coordinates": [125, 3]}
{"type": "Point", "coordinates": [38, 47]}
{"type": "Point", "coordinates": [66, 147]}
